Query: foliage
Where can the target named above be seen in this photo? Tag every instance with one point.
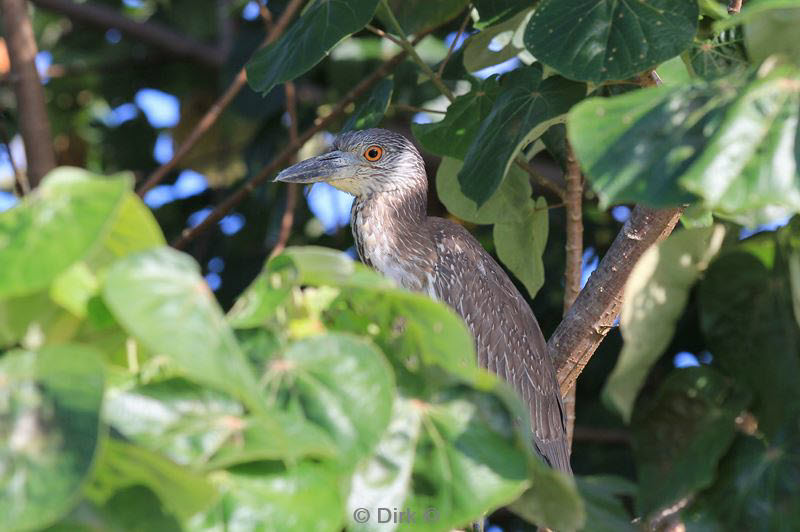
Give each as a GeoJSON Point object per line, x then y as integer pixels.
{"type": "Point", "coordinates": [306, 390]}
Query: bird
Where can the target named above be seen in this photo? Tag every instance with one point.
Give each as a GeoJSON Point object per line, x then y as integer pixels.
{"type": "Point", "coordinates": [385, 174]}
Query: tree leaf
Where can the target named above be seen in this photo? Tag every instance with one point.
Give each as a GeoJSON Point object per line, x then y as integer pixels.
{"type": "Point", "coordinates": [267, 496]}
{"type": "Point", "coordinates": [307, 41]}
{"type": "Point", "coordinates": [655, 295]}
{"type": "Point", "coordinates": [160, 298]}
{"type": "Point", "coordinates": [756, 489]}
{"type": "Point", "coordinates": [520, 245]}
{"type": "Point", "coordinates": [416, 16]}
{"type": "Point", "coordinates": [526, 106]}
{"type": "Point", "coordinates": [746, 308]}
{"type": "Point", "coordinates": [510, 203]}
{"type": "Point", "coordinates": [730, 142]}
{"type": "Point", "coordinates": [345, 386]}
{"type": "Point", "coordinates": [182, 492]}
{"type": "Point", "coordinates": [773, 32]}
{"type": "Point", "coordinates": [682, 433]}
{"type": "Point", "coordinates": [50, 406]}
{"type": "Point", "coordinates": [370, 113]}
{"type": "Point", "coordinates": [719, 56]}
{"type": "Point", "coordinates": [493, 12]}
{"type": "Point", "coordinates": [552, 501]}
{"type": "Point", "coordinates": [453, 135]}
{"type": "Point", "coordinates": [478, 48]}
{"type": "Point", "coordinates": [72, 207]}
{"type": "Point", "coordinates": [604, 510]}
{"type": "Point", "coordinates": [591, 40]}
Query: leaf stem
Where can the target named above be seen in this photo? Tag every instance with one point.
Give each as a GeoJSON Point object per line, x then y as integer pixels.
{"type": "Point", "coordinates": [408, 47]}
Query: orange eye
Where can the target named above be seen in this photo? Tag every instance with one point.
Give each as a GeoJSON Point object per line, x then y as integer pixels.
{"type": "Point", "coordinates": [373, 153]}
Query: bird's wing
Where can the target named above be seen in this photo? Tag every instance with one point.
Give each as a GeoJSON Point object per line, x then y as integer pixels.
{"type": "Point", "coordinates": [507, 336]}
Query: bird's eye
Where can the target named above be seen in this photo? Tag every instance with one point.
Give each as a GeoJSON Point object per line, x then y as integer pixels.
{"type": "Point", "coordinates": [373, 153]}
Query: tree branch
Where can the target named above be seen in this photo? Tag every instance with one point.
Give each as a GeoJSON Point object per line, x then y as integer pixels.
{"type": "Point", "coordinates": [734, 6]}
{"type": "Point", "coordinates": [34, 125]}
{"type": "Point", "coordinates": [291, 190]}
{"type": "Point", "coordinates": [573, 199]}
{"type": "Point", "coordinates": [22, 185]}
{"type": "Point", "coordinates": [152, 33]}
{"type": "Point", "coordinates": [216, 109]}
{"type": "Point", "coordinates": [541, 180]}
{"type": "Point", "coordinates": [285, 156]}
{"type": "Point", "coordinates": [598, 304]}
{"type": "Point", "coordinates": [455, 42]}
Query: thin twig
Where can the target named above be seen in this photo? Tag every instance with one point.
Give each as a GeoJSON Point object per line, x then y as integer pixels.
{"type": "Point", "coordinates": [149, 32]}
{"type": "Point", "coordinates": [34, 124]}
{"type": "Point", "coordinates": [734, 6]}
{"type": "Point", "coordinates": [291, 191]}
{"type": "Point", "coordinates": [573, 262]}
{"type": "Point", "coordinates": [539, 178]}
{"type": "Point", "coordinates": [281, 159]}
{"type": "Point", "coordinates": [380, 33]}
{"type": "Point", "coordinates": [216, 109]}
{"type": "Point", "coordinates": [602, 435]}
{"type": "Point", "coordinates": [412, 109]}
{"type": "Point", "coordinates": [455, 41]}
{"type": "Point", "coordinates": [412, 53]}
{"type": "Point", "coordinates": [266, 15]}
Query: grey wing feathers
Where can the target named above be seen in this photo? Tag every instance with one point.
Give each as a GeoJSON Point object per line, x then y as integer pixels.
{"type": "Point", "coordinates": [507, 336]}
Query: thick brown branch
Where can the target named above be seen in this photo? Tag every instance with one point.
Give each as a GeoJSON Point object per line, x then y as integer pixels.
{"type": "Point", "coordinates": [597, 306]}
{"type": "Point", "coordinates": [151, 33]}
{"type": "Point", "coordinates": [573, 199]}
{"type": "Point", "coordinates": [285, 156]}
{"type": "Point", "coordinates": [34, 125]}
{"type": "Point", "coordinates": [291, 190]}
{"type": "Point", "coordinates": [216, 109]}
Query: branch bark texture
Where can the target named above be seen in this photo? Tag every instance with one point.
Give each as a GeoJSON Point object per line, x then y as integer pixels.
{"type": "Point", "coordinates": [597, 306]}
{"type": "Point", "coordinates": [34, 125]}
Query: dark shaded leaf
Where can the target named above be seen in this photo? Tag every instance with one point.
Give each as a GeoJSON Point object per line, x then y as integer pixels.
{"type": "Point", "coordinates": [370, 113]}
{"type": "Point", "coordinates": [682, 433]}
{"type": "Point", "coordinates": [307, 41]}
{"type": "Point", "coordinates": [415, 16]}
{"type": "Point", "coordinates": [495, 11]}
{"type": "Point", "coordinates": [591, 40]}
{"type": "Point", "coordinates": [525, 107]}
{"type": "Point", "coordinates": [604, 510]}
{"type": "Point", "coordinates": [723, 54]}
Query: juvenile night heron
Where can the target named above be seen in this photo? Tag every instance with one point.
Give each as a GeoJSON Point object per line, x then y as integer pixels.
{"type": "Point", "coordinates": [394, 235]}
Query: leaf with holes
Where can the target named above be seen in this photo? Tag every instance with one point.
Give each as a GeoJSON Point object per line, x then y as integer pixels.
{"type": "Point", "coordinates": [307, 41]}
{"type": "Point", "coordinates": [525, 107]}
{"type": "Point", "coordinates": [601, 40]}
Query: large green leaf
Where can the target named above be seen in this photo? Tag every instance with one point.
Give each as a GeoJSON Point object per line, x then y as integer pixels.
{"type": "Point", "coordinates": [72, 208]}
{"type": "Point", "coordinates": [600, 40]}
{"type": "Point", "coordinates": [204, 428]}
{"type": "Point", "coordinates": [183, 492]}
{"type": "Point", "coordinates": [415, 16]}
{"type": "Point", "coordinates": [307, 41]}
{"type": "Point", "coordinates": [730, 142]}
{"type": "Point", "coordinates": [773, 32]}
{"type": "Point", "coordinates": [681, 434]}
{"type": "Point", "coordinates": [344, 384]}
{"type": "Point", "coordinates": [746, 309]}
{"type": "Point", "coordinates": [50, 410]}
{"type": "Point", "coordinates": [553, 501]}
{"type": "Point", "coordinates": [510, 203]}
{"type": "Point", "coordinates": [520, 245]}
{"type": "Point", "coordinates": [267, 496]}
{"type": "Point", "coordinates": [370, 112]}
{"type": "Point", "coordinates": [655, 295]}
{"type": "Point", "coordinates": [604, 510]}
{"type": "Point", "coordinates": [453, 135]}
{"type": "Point", "coordinates": [757, 487]}
{"type": "Point", "coordinates": [526, 106]}
{"type": "Point", "coordinates": [161, 299]}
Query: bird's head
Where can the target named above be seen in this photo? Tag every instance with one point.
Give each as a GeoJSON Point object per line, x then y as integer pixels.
{"type": "Point", "coordinates": [363, 163]}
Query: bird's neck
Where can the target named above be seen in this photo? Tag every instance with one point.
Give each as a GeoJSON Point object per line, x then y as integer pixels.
{"type": "Point", "coordinates": [403, 208]}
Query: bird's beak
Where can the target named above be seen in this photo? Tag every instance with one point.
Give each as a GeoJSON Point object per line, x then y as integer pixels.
{"type": "Point", "coordinates": [327, 167]}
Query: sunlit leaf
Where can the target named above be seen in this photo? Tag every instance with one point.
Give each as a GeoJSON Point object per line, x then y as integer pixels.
{"type": "Point", "coordinates": [654, 298]}
{"type": "Point", "coordinates": [520, 245]}
{"type": "Point", "coordinates": [497, 43]}
{"type": "Point", "coordinates": [50, 409]}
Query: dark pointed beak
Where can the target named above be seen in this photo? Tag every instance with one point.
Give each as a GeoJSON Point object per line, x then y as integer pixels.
{"type": "Point", "coordinates": [326, 167]}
